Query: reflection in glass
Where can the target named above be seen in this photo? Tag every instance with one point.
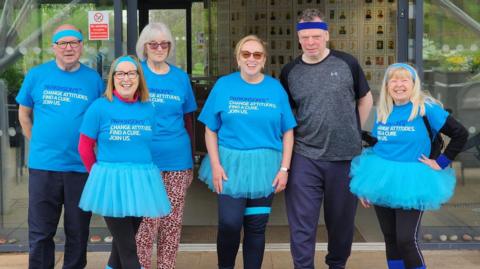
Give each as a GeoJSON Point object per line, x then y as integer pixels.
{"type": "Point", "coordinates": [451, 60]}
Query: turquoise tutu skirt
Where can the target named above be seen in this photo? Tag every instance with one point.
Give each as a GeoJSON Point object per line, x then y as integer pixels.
{"type": "Point", "coordinates": [125, 189]}
{"type": "Point", "coordinates": [394, 184]}
{"type": "Point", "coordinates": [250, 173]}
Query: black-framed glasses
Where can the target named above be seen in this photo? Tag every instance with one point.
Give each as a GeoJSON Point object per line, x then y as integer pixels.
{"type": "Point", "coordinates": [130, 74]}
{"type": "Point", "coordinates": [154, 45]}
{"type": "Point", "coordinates": [73, 44]}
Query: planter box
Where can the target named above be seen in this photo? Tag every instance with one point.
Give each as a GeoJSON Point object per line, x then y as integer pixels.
{"type": "Point", "coordinates": [451, 77]}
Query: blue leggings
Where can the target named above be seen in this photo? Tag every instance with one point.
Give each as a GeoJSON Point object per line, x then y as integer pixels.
{"type": "Point", "coordinates": [252, 214]}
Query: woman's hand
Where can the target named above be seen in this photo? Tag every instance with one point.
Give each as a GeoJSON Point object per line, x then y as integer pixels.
{"type": "Point", "coordinates": [280, 181]}
{"type": "Point", "coordinates": [218, 175]}
{"type": "Point", "coordinates": [430, 162]}
{"type": "Point", "coordinates": [365, 203]}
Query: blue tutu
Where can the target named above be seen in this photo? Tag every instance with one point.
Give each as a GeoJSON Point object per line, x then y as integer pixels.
{"type": "Point", "coordinates": [394, 184]}
{"type": "Point", "coordinates": [250, 172]}
{"type": "Point", "coordinates": [125, 189]}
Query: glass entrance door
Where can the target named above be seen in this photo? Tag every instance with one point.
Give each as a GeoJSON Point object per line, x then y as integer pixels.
{"type": "Point", "coordinates": [451, 63]}
{"type": "Point", "coordinates": [27, 43]}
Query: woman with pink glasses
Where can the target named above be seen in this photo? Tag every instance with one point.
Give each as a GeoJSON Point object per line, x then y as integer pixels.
{"type": "Point", "coordinates": [172, 97]}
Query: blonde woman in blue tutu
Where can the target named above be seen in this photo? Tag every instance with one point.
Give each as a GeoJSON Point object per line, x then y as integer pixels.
{"type": "Point", "coordinates": [124, 185]}
{"type": "Point", "coordinates": [249, 136]}
{"type": "Point", "coordinates": [396, 176]}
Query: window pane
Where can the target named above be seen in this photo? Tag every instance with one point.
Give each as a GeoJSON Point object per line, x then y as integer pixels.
{"type": "Point", "coordinates": [451, 57]}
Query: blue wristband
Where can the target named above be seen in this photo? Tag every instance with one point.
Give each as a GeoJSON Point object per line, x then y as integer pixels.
{"type": "Point", "coordinates": [443, 161]}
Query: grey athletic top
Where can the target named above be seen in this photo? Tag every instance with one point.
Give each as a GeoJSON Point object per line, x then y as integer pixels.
{"type": "Point", "coordinates": [324, 99]}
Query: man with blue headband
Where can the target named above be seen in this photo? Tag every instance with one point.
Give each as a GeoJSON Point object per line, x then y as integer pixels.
{"type": "Point", "coordinates": [53, 99]}
{"type": "Point", "coordinates": [331, 99]}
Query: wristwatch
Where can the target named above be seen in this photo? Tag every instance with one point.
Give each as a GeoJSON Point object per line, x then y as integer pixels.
{"type": "Point", "coordinates": [285, 169]}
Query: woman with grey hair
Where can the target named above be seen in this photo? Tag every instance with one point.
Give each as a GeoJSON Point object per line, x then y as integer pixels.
{"type": "Point", "coordinates": [173, 99]}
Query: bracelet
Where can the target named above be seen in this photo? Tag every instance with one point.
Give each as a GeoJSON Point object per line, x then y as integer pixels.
{"type": "Point", "coordinates": [284, 169]}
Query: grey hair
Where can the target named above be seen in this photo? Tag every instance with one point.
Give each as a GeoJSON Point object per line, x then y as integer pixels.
{"type": "Point", "coordinates": [151, 32]}
{"type": "Point", "coordinates": [310, 14]}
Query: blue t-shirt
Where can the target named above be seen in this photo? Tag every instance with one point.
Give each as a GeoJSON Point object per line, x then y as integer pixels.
{"type": "Point", "coordinates": [58, 100]}
{"type": "Point", "coordinates": [403, 140]}
{"type": "Point", "coordinates": [248, 116]}
{"type": "Point", "coordinates": [123, 130]}
{"type": "Point", "coordinates": [172, 96]}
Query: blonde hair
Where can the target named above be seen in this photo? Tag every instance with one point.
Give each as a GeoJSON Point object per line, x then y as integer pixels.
{"type": "Point", "coordinates": [142, 89]}
{"type": "Point", "coordinates": [247, 38]}
{"type": "Point", "coordinates": [418, 98]}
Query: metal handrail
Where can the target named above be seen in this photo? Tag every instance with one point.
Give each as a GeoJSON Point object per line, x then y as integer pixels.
{"type": "Point", "coordinates": [460, 15]}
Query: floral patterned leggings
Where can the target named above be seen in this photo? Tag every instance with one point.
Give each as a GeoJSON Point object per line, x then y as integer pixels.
{"type": "Point", "coordinates": [166, 230]}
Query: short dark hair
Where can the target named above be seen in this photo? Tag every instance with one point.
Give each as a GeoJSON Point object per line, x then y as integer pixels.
{"type": "Point", "coordinates": [310, 14]}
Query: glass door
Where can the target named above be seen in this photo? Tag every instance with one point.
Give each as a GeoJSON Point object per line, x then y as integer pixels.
{"type": "Point", "coordinates": [450, 56]}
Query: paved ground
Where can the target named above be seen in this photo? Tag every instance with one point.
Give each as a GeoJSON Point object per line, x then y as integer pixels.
{"type": "Point", "coordinates": [438, 259]}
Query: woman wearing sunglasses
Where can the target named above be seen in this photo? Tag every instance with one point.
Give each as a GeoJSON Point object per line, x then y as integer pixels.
{"type": "Point", "coordinates": [173, 99]}
{"type": "Point", "coordinates": [249, 137]}
{"type": "Point", "coordinates": [123, 185]}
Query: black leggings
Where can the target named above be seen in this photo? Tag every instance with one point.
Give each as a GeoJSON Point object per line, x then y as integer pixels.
{"type": "Point", "coordinates": [124, 248]}
{"type": "Point", "coordinates": [400, 230]}
{"type": "Point", "coordinates": [252, 214]}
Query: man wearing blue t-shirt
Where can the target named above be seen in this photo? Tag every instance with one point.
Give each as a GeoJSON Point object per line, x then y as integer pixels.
{"type": "Point", "coordinates": [53, 99]}
{"type": "Point", "coordinates": [331, 99]}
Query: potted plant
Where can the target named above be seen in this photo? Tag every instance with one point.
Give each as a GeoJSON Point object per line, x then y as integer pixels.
{"type": "Point", "coordinates": [455, 67]}
{"type": "Point", "coordinates": [475, 62]}
{"type": "Point", "coordinates": [431, 55]}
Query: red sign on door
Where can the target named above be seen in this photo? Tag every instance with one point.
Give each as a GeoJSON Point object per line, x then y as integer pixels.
{"type": "Point", "coordinates": [98, 26]}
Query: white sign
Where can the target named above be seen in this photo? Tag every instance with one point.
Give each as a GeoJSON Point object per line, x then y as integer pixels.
{"type": "Point", "coordinates": [98, 25]}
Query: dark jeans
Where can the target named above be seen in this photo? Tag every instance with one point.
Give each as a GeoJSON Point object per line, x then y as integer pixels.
{"type": "Point", "coordinates": [124, 248]}
{"type": "Point", "coordinates": [311, 182]}
{"type": "Point", "coordinates": [400, 231]}
{"type": "Point", "coordinates": [252, 214]}
{"type": "Point", "coordinates": [48, 191]}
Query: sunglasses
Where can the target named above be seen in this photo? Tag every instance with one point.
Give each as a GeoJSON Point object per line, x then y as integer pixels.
{"type": "Point", "coordinates": [154, 45]}
{"type": "Point", "coordinates": [256, 55]}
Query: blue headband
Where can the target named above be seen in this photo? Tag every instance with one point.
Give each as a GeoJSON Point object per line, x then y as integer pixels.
{"type": "Point", "coordinates": [63, 33]}
{"type": "Point", "coordinates": [410, 69]}
{"type": "Point", "coordinates": [125, 58]}
{"type": "Point", "coordinates": [312, 25]}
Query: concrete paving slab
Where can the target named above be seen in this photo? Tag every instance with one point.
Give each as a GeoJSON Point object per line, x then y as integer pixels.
{"type": "Point", "coordinates": [438, 259]}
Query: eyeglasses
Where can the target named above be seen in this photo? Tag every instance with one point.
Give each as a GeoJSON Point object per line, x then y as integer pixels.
{"type": "Point", "coordinates": [256, 55]}
{"type": "Point", "coordinates": [130, 74]}
{"type": "Point", "coordinates": [73, 44]}
{"type": "Point", "coordinates": [154, 45]}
